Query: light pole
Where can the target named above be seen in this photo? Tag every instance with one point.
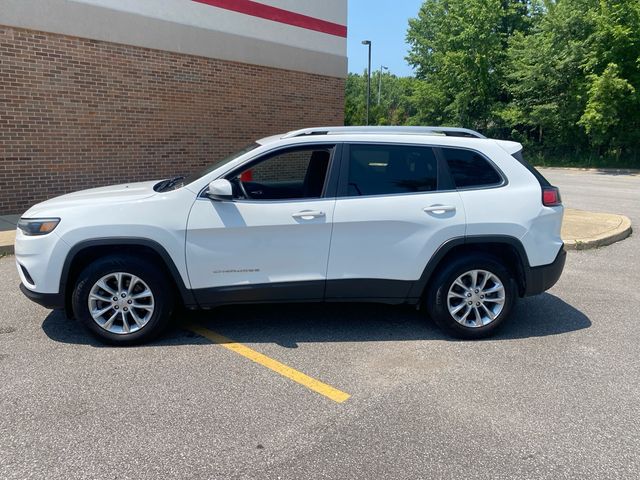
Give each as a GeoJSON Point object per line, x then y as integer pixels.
{"type": "Point", "coordinates": [368, 44]}
{"type": "Point", "coordinates": [380, 81]}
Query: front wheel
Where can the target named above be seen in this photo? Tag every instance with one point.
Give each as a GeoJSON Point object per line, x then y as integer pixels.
{"type": "Point", "coordinates": [471, 297]}
{"type": "Point", "coordinates": [123, 299]}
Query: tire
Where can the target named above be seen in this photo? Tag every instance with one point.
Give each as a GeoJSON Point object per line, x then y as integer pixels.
{"type": "Point", "coordinates": [146, 315]}
{"type": "Point", "coordinates": [492, 311]}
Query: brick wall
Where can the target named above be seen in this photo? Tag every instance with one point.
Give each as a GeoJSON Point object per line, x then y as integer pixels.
{"type": "Point", "coordinates": [77, 113]}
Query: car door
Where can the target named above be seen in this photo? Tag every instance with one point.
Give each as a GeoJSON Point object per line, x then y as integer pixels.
{"type": "Point", "coordinates": [271, 242]}
{"type": "Point", "coordinates": [395, 206]}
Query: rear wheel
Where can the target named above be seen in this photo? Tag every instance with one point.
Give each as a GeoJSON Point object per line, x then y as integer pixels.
{"type": "Point", "coordinates": [123, 299]}
{"type": "Point", "coordinates": [471, 297]}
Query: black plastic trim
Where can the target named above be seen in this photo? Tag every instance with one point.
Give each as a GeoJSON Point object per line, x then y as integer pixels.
{"type": "Point", "coordinates": [27, 275]}
{"type": "Point", "coordinates": [347, 290]}
{"type": "Point", "coordinates": [366, 288]}
{"type": "Point", "coordinates": [420, 285]}
{"type": "Point", "coordinates": [185, 293]}
{"type": "Point", "coordinates": [304, 291]}
{"type": "Point", "coordinates": [333, 174]}
{"type": "Point", "coordinates": [47, 300]}
{"type": "Point", "coordinates": [542, 278]}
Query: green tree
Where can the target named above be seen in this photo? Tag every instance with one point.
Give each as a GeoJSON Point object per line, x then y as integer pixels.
{"type": "Point", "coordinates": [607, 102]}
{"type": "Point", "coordinates": [458, 50]}
{"type": "Point", "coordinates": [562, 76]}
{"type": "Point", "coordinates": [355, 98]}
{"type": "Point", "coordinates": [611, 115]}
{"type": "Point", "coordinates": [395, 106]}
{"type": "Point", "coordinates": [572, 81]}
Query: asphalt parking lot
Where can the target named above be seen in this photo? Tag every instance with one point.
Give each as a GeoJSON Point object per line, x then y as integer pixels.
{"type": "Point", "coordinates": [555, 395]}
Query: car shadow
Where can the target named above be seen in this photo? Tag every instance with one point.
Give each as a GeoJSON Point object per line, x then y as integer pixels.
{"type": "Point", "coordinates": [289, 324]}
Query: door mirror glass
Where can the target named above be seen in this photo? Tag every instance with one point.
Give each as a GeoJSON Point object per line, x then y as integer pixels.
{"type": "Point", "coordinates": [220, 190]}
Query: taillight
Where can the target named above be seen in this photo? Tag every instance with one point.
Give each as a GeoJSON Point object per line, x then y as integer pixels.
{"type": "Point", "coordinates": [551, 197]}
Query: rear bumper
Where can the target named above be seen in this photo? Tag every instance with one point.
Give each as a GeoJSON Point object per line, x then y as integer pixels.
{"type": "Point", "coordinates": [47, 300]}
{"type": "Point", "coordinates": [540, 279]}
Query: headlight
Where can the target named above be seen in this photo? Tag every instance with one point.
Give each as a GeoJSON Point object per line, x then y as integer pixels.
{"type": "Point", "coordinates": [38, 226]}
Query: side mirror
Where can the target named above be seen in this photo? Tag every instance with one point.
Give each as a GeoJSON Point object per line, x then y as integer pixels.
{"type": "Point", "coordinates": [220, 190]}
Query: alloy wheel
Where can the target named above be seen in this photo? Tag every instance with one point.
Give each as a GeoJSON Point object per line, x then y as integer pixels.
{"type": "Point", "coordinates": [476, 298]}
{"type": "Point", "coordinates": [121, 303]}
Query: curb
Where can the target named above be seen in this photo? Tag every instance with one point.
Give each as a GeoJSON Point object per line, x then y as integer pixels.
{"type": "Point", "coordinates": [622, 231]}
{"type": "Point", "coordinates": [7, 239]}
{"type": "Point", "coordinates": [618, 171]}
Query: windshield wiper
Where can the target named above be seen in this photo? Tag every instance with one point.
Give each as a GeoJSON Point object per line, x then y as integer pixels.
{"type": "Point", "coordinates": [167, 184]}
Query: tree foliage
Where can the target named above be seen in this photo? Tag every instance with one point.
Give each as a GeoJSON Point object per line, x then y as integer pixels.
{"type": "Point", "coordinates": [555, 74]}
{"type": "Point", "coordinates": [396, 106]}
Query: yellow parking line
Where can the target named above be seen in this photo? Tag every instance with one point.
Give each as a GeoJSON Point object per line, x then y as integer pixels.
{"type": "Point", "coordinates": [291, 373]}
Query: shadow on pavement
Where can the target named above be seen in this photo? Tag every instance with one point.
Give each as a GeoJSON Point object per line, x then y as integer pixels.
{"type": "Point", "coordinates": [291, 324]}
{"type": "Point", "coordinates": [621, 173]}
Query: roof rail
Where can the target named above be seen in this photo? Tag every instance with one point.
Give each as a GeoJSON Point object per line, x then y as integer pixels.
{"type": "Point", "coordinates": [389, 130]}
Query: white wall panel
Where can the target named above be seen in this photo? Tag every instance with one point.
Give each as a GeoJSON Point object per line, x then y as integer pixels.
{"type": "Point", "coordinates": [195, 28]}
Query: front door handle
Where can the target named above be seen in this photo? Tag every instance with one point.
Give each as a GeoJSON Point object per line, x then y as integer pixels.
{"type": "Point", "coordinates": [439, 209]}
{"type": "Point", "coordinates": [308, 214]}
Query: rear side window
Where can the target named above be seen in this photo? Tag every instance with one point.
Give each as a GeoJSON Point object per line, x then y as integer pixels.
{"type": "Point", "coordinates": [469, 169]}
{"type": "Point", "coordinates": [541, 180]}
{"type": "Point", "coordinates": [389, 169]}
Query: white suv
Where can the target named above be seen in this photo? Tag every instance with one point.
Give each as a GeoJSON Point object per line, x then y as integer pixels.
{"type": "Point", "coordinates": [429, 216]}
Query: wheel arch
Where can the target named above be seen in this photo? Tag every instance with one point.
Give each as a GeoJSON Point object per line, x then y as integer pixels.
{"type": "Point", "coordinates": [87, 251]}
{"type": "Point", "coordinates": [508, 249]}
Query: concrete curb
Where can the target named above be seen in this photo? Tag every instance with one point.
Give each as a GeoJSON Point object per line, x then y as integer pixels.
{"type": "Point", "coordinates": [7, 239]}
{"type": "Point", "coordinates": [621, 231]}
{"type": "Point", "coordinates": [615, 171]}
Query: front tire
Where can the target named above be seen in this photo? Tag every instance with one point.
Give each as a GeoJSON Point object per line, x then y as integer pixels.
{"type": "Point", "coordinates": [471, 297]}
{"type": "Point", "coordinates": [123, 299]}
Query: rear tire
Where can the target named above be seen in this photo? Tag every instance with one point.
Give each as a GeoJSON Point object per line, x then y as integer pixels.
{"type": "Point", "coordinates": [472, 296]}
{"type": "Point", "coordinates": [123, 299]}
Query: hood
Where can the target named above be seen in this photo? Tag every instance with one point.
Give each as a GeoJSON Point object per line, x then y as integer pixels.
{"type": "Point", "coordinates": [126, 192]}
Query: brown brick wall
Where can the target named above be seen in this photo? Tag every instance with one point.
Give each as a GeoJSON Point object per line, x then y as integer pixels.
{"type": "Point", "coordinates": [77, 113]}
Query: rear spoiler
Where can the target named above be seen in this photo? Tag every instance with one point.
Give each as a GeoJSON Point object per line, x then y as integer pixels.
{"type": "Point", "coordinates": [509, 146]}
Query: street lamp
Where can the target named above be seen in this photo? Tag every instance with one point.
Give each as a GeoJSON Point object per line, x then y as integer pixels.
{"type": "Point", "coordinates": [368, 44]}
{"type": "Point", "coordinates": [380, 81]}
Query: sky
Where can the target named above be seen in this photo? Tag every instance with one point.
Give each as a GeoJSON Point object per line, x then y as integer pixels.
{"type": "Point", "coordinates": [385, 23]}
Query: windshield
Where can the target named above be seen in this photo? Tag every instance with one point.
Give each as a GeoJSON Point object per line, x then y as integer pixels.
{"type": "Point", "coordinates": [195, 176]}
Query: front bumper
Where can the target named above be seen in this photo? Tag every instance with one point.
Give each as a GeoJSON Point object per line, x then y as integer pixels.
{"type": "Point", "coordinates": [47, 300]}
{"type": "Point", "coordinates": [540, 279]}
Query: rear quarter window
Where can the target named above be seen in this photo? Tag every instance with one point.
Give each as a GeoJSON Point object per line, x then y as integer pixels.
{"type": "Point", "coordinates": [469, 169]}
{"type": "Point", "coordinates": [541, 180]}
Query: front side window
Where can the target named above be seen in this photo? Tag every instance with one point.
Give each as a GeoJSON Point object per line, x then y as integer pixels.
{"type": "Point", "coordinates": [470, 169]}
{"type": "Point", "coordinates": [391, 169]}
{"type": "Point", "coordinates": [290, 174]}
{"type": "Point", "coordinates": [195, 176]}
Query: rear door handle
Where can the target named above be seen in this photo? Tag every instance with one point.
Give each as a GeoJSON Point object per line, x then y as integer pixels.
{"type": "Point", "coordinates": [439, 209]}
{"type": "Point", "coordinates": [308, 214]}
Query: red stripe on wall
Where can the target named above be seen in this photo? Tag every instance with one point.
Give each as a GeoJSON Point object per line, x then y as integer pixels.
{"type": "Point", "coordinates": [255, 9]}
